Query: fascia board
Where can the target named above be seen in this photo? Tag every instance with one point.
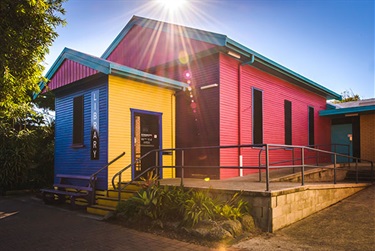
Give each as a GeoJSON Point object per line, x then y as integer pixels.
{"type": "Point", "coordinates": [342, 111]}
{"type": "Point", "coordinates": [141, 76]}
{"type": "Point", "coordinates": [200, 35]}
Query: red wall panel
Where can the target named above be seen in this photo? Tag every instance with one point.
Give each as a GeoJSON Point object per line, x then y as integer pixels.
{"type": "Point", "coordinates": [144, 48]}
{"type": "Point", "coordinates": [275, 91]}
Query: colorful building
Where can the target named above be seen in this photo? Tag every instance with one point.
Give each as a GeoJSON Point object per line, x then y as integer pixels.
{"type": "Point", "coordinates": [353, 124]}
{"type": "Point", "coordinates": [160, 85]}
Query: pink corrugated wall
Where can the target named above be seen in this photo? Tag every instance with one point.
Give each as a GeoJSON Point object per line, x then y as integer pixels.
{"type": "Point", "coordinates": [275, 91]}
{"type": "Point", "coordinates": [143, 48]}
{"type": "Point", "coordinates": [69, 72]}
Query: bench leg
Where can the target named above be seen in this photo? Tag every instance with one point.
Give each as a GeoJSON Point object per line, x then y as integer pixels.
{"type": "Point", "coordinates": [72, 201]}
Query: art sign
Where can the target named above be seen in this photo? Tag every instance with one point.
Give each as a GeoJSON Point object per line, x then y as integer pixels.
{"type": "Point", "coordinates": [95, 125]}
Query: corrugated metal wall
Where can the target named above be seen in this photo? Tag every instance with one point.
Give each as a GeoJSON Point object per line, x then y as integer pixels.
{"type": "Point", "coordinates": [275, 91]}
{"type": "Point", "coordinates": [69, 72]}
{"type": "Point", "coordinates": [143, 48]}
{"type": "Point", "coordinates": [78, 161]}
{"type": "Point", "coordinates": [201, 128]}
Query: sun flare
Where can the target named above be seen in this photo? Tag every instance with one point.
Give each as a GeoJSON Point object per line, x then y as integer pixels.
{"type": "Point", "coordinates": [172, 5]}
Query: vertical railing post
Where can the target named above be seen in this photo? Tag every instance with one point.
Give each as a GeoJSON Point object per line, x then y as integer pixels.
{"type": "Point", "coordinates": [356, 170]}
{"type": "Point", "coordinates": [293, 161]}
{"type": "Point", "coordinates": [303, 165]}
{"type": "Point", "coordinates": [182, 167]}
{"type": "Point", "coordinates": [260, 165]}
{"type": "Point", "coordinates": [334, 168]}
{"type": "Point", "coordinates": [157, 163]}
{"type": "Point", "coordinates": [267, 169]}
{"type": "Point", "coordinates": [348, 154]}
{"type": "Point", "coordinates": [119, 187]}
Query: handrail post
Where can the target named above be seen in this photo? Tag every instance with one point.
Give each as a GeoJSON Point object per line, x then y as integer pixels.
{"type": "Point", "coordinates": [157, 163]}
{"type": "Point", "coordinates": [182, 167]}
{"type": "Point", "coordinates": [348, 155]}
{"type": "Point", "coordinates": [293, 161]}
{"type": "Point", "coordinates": [334, 168]}
{"type": "Point", "coordinates": [303, 165]}
{"type": "Point", "coordinates": [356, 170]}
{"type": "Point", "coordinates": [119, 187]}
{"type": "Point", "coordinates": [260, 165]}
{"type": "Point", "coordinates": [267, 169]}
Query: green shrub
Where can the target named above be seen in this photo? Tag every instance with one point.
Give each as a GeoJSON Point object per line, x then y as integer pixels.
{"type": "Point", "coordinates": [189, 207]}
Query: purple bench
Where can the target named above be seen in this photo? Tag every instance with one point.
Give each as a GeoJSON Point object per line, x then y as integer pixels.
{"type": "Point", "coordinates": [72, 187]}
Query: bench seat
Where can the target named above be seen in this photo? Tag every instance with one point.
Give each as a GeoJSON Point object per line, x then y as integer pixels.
{"type": "Point", "coordinates": [72, 186]}
{"type": "Point", "coordinates": [69, 186]}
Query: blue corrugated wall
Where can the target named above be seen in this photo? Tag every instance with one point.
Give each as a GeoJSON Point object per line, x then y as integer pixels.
{"type": "Point", "coordinates": [78, 161]}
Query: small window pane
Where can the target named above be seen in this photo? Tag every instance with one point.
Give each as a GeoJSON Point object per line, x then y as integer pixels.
{"type": "Point", "coordinates": [78, 120]}
{"type": "Point", "coordinates": [311, 126]}
{"type": "Point", "coordinates": [288, 122]}
{"type": "Point", "coordinates": [257, 117]}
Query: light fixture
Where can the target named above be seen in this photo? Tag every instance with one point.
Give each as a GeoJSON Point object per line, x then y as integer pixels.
{"type": "Point", "coordinates": [233, 54]}
{"type": "Point", "coordinates": [351, 115]}
{"type": "Point", "coordinates": [208, 86]}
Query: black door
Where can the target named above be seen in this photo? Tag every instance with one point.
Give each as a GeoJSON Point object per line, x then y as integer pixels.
{"type": "Point", "coordinates": [146, 138]}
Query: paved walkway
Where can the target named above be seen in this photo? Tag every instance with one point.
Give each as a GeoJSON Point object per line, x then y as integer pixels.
{"type": "Point", "coordinates": [27, 224]}
{"type": "Point", "coordinates": [346, 226]}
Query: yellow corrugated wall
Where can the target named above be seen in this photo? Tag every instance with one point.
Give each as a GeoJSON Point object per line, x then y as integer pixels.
{"type": "Point", "coordinates": [123, 95]}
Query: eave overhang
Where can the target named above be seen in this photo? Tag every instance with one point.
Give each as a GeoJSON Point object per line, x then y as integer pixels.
{"type": "Point", "coordinates": [350, 111]}
{"type": "Point", "coordinates": [107, 67]}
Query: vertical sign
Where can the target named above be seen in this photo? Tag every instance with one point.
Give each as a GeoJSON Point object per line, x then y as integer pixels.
{"type": "Point", "coordinates": [95, 125]}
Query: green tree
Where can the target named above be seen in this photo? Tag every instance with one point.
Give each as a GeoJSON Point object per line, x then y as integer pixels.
{"type": "Point", "coordinates": [27, 29]}
{"type": "Point", "coordinates": [348, 96]}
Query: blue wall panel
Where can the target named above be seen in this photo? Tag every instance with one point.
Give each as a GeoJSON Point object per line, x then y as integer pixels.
{"type": "Point", "coordinates": [69, 160]}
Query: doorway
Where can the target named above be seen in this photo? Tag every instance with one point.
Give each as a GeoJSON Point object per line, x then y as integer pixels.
{"type": "Point", "coordinates": [146, 132]}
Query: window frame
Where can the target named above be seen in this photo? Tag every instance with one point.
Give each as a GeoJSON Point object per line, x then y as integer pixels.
{"type": "Point", "coordinates": [78, 122]}
{"type": "Point", "coordinates": [288, 132]}
{"type": "Point", "coordinates": [311, 126]}
{"type": "Point", "coordinates": [256, 130]}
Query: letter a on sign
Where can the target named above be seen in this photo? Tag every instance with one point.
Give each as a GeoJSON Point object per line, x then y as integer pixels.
{"type": "Point", "coordinates": [95, 125]}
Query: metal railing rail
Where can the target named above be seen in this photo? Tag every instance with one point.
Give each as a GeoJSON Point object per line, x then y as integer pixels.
{"type": "Point", "coordinates": [293, 160]}
{"type": "Point", "coordinates": [264, 147]}
{"type": "Point", "coordinates": [93, 177]}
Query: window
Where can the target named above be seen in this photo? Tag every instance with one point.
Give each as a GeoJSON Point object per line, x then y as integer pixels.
{"type": "Point", "coordinates": [288, 122]}
{"type": "Point", "coordinates": [78, 121]}
{"type": "Point", "coordinates": [311, 126]}
{"type": "Point", "coordinates": [257, 116]}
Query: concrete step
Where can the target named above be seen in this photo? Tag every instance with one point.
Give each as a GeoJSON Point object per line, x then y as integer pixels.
{"type": "Point", "coordinates": [100, 210]}
{"type": "Point", "coordinates": [125, 194]}
{"type": "Point", "coordinates": [107, 201]}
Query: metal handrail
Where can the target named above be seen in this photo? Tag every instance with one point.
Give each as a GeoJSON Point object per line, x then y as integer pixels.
{"type": "Point", "coordinates": [263, 147]}
{"type": "Point", "coordinates": [290, 147]}
{"type": "Point", "coordinates": [93, 177]}
{"type": "Point", "coordinates": [119, 173]}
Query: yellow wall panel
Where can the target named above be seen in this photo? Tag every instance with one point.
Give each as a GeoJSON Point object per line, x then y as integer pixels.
{"type": "Point", "coordinates": [123, 95]}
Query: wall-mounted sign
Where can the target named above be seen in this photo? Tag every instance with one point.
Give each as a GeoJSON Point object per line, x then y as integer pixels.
{"type": "Point", "coordinates": [95, 125]}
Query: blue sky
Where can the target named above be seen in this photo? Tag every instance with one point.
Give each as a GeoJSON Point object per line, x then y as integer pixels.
{"type": "Point", "coordinates": [330, 42]}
